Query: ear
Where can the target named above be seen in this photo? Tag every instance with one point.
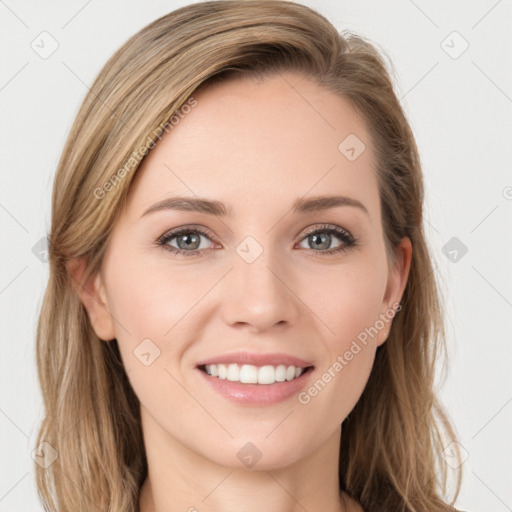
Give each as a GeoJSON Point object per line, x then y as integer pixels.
{"type": "Point", "coordinates": [93, 296]}
{"type": "Point", "coordinates": [395, 287]}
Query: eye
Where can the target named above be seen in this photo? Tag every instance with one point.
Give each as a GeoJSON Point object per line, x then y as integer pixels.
{"type": "Point", "coordinates": [321, 237]}
{"type": "Point", "coordinates": [186, 241]}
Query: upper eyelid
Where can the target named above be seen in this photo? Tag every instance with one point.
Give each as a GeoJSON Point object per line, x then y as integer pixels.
{"type": "Point", "coordinates": [325, 227]}
{"type": "Point", "coordinates": [171, 233]}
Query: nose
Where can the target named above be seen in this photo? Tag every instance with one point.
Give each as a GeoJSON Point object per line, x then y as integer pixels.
{"type": "Point", "coordinates": [259, 295]}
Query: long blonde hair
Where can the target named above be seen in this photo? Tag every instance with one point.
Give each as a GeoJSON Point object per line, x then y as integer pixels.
{"type": "Point", "coordinates": [390, 455]}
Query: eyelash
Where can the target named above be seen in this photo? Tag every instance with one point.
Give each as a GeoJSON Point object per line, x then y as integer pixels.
{"type": "Point", "coordinates": [347, 239]}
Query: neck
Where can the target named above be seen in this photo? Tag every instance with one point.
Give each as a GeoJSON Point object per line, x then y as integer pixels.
{"type": "Point", "coordinates": [180, 479]}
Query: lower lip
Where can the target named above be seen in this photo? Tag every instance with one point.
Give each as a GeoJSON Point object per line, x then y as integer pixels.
{"type": "Point", "coordinates": [257, 394]}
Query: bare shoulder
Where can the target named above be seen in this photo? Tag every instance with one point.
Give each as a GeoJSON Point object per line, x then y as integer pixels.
{"type": "Point", "coordinates": [350, 504]}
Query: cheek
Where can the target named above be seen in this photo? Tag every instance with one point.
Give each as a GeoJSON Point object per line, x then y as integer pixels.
{"type": "Point", "coordinates": [150, 301]}
{"type": "Point", "coordinates": [152, 312]}
{"type": "Point", "coordinates": [347, 300]}
{"type": "Point", "coordinates": [348, 308]}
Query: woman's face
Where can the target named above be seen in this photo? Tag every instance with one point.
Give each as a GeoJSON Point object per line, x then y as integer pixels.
{"type": "Point", "coordinates": [266, 273]}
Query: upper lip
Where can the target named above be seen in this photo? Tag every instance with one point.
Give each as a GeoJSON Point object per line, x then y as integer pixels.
{"type": "Point", "coordinates": [273, 359]}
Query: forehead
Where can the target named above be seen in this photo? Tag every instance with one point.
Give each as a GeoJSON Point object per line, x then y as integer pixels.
{"type": "Point", "coordinates": [247, 142]}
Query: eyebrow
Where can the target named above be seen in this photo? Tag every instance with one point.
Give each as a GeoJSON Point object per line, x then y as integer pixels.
{"type": "Point", "coordinates": [219, 209]}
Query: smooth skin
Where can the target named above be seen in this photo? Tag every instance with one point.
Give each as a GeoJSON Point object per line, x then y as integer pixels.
{"type": "Point", "coordinates": [257, 147]}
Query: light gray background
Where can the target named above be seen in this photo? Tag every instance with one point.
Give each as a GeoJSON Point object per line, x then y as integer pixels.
{"type": "Point", "coordinates": [460, 109]}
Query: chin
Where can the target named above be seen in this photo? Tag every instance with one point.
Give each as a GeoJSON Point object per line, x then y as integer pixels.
{"type": "Point", "coordinates": [257, 453]}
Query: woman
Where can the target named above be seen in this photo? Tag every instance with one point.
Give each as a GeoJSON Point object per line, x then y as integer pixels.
{"type": "Point", "coordinates": [241, 311]}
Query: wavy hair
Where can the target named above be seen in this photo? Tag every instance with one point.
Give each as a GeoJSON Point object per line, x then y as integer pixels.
{"type": "Point", "coordinates": [392, 441]}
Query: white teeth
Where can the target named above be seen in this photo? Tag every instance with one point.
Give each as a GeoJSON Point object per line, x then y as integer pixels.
{"type": "Point", "coordinates": [233, 372]}
{"type": "Point", "coordinates": [281, 373]}
{"type": "Point", "coordinates": [266, 375]}
{"type": "Point", "coordinates": [250, 374]}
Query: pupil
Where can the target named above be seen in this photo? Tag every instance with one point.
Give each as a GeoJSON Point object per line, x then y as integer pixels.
{"type": "Point", "coordinates": [188, 239]}
{"type": "Point", "coordinates": [317, 238]}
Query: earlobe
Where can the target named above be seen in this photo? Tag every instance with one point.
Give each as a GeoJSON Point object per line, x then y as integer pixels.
{"type": "Point", "coordinates": [395, 287]}
{"type": "Point", "coordinates": [92, 294]}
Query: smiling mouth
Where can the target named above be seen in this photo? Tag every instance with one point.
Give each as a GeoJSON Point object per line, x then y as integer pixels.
{"type": "Point", "coordinates": [251, 374]}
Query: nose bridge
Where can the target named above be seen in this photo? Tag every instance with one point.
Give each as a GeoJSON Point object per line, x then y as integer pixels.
{"type": "Point", "coordinates": [257, 290]}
